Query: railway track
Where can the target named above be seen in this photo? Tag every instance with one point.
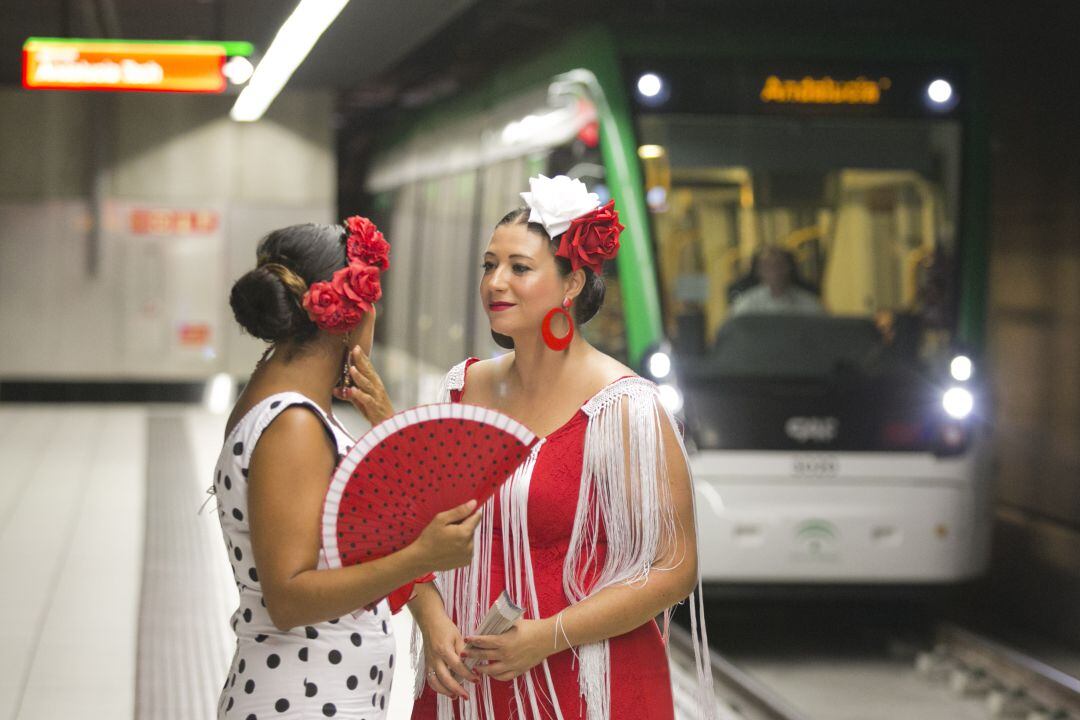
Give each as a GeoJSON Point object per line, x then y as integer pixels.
{"type": "Point", "coordinates": [964, 676]}
{"type": "Point", "coordinates": [741, 697]}
{"type": "Point", "coordinates": [1012, 683]}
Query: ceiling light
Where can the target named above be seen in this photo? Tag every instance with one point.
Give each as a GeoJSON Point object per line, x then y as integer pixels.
{"type": "Point", "coordinates": [292, 44]}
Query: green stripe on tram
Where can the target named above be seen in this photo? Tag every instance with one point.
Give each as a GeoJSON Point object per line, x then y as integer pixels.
{"type": "Point", "coordinates": [618, 146]}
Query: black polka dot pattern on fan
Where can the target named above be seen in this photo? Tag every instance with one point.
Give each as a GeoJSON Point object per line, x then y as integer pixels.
{"type": "Point", "coordinates": [310, 671]}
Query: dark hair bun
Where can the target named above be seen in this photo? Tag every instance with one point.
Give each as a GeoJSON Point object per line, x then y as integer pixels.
{"type": "Point", "coordinates": [266, 308]}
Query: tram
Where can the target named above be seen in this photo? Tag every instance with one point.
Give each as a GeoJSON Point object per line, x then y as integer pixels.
{"type": "Point", "coordinates": [802, 273]}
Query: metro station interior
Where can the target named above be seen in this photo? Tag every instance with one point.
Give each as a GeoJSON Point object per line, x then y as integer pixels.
{"type": "Point", "coordinates": [885, 470]}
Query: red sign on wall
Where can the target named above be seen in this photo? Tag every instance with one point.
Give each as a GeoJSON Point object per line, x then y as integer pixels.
{"type": "Point", "coordinates": [173, 222]}
{"type": "Point", "coordinates": [197, 334]}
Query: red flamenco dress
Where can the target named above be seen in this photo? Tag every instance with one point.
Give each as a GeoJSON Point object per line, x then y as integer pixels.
{"type": "Point", "coordinates": [530, 529]}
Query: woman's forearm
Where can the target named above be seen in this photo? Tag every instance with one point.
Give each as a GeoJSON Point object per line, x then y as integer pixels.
{"type": "Point", "coordinates": [426, 604]}
{"type": "Point", "coordinates": [620, 609]}
{"type": "Point", "coordinates": [315, 596]}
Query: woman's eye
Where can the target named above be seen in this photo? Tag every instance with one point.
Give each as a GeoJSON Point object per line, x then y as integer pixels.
{"type": "Point", "coordinates": [521, 268]}
{"type": "Point", "coordinates": [487, 265]}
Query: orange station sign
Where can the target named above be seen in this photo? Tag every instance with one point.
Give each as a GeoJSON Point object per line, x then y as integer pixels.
{"type": "Point", "coordinates": [128, 65]}
{"type": "Point", "coordinates": [145, 221]}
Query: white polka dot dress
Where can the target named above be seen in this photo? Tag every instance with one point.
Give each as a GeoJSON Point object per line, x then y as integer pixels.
{"type": "Point", "coordinates": [340, 669]}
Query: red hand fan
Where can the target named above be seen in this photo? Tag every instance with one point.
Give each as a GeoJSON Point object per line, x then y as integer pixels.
{"type": "Point", "coordinates": [406, 470]}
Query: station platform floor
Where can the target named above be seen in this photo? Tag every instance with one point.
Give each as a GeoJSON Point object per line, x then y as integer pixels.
{"type": "Point", "coordinates": [116, 591]}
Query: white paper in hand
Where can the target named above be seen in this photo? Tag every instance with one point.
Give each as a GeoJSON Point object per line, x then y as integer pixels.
{"type": "Point", "coordinates": [499, 618]}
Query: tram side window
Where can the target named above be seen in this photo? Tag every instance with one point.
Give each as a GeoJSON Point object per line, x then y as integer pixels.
{"type": "Point", "coordinates": [443, 296]}
{"type": "Point", "coordinates": [396, 287]}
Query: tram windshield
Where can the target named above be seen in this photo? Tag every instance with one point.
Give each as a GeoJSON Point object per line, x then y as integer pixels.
{"type": "Point", "coordinates": [790, 247]}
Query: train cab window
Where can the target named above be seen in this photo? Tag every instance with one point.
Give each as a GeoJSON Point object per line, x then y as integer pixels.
{"type": "Point", "coordinates": [823, 222]}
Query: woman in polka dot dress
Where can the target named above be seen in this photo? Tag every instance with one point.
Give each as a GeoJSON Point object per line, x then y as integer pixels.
{"type": "Point", "coordinates": [311, 641]}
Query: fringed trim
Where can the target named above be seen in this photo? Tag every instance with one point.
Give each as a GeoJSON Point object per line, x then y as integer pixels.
{"type": "Point", "coordinates": [625, 494]}
{"type": "Point", "coordinates": [454, 380]}
{"type": "Point", "coordinates": [625, 491]}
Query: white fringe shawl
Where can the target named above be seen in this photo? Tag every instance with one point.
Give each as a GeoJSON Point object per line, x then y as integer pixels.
{"type": "Point", "coordinates": [624, 491]}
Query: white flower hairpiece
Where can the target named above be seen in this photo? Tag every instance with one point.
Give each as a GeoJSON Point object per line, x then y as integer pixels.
{"type": "Point", "coordinates": [555, 202]}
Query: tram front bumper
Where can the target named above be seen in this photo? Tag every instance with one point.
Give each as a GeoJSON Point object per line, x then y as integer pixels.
{"type": "Point", "coordinates": [840, 518]}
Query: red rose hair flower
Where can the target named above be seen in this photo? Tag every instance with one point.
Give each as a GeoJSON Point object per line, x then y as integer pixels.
{"type": "Point", "coordinates": [359, 284]}
{"type": "Point", "coordinates": [329, 310]}
{"type": "Point", "coordinates": [338, 306]}
{"type": "Point", "coordinates": [592, 238]}
{"type": "Point", "coordinates": [366, 244]}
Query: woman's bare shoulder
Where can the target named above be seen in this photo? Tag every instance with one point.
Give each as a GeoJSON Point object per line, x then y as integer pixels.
{"type": "Point", "coordinates": [604, 369]}
{"type": "Point", "coordinates": [297, 433]}
{"type": "Point", "coordinates": [483, 375]}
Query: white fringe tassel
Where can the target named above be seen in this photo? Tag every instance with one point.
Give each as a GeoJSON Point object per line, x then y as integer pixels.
{"type": "Point", "coordinates": [624, 491]}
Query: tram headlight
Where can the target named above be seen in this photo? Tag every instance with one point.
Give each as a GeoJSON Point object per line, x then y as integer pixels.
{"type": "Point", "coordinates": [958, 402]}
{"type": "Point", "coordinates": [650, 85]}
{"type": "Point", "coordinates": [659, 364]}
{"type": "Point", "coordinates": [940, 95]}
{"type": "Point", "coordinates": [672, 397]}
{"type": "Point", "coordinates": [652, 90]}
{"type": "Point", "coordinates": [961, 368]}
{"type": "Point", "coordinates": [939, 91]}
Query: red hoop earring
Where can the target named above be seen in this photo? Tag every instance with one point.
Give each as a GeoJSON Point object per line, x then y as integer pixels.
{"type": "Point", "coordinates": [557, 343]}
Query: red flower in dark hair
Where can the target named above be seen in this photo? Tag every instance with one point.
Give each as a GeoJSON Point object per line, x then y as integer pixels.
{"type": "Point", "coordinates": [366, 244]}
{"type": "Point", "coordinates": [592, 238]}
{"type": "Point", "coordinates": [339, 305]}
{"type": "Point", "coordinates": [358, 284]}
{"type": "Point", "coordinates": [329, 310]}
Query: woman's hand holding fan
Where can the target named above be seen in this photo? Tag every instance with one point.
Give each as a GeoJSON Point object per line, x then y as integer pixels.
{"type": "Point", "coordinates": [409, 469]}
{"type": "Point", "coordinates": [447, 542]}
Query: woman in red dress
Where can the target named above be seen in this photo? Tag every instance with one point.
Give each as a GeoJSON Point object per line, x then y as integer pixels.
{"type": "Point", "coordinates": [594, 534]}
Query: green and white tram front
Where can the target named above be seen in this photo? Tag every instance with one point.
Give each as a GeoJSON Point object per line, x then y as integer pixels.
{"type": "Point", "coordinates": [807, 227]}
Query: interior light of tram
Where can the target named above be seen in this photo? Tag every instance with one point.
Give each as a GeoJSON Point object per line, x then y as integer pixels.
{"type": "Point", "coordinates": [961, 368]}
{"type": "Point", "coordinates": [293, 42]}
{"type": "Point", "coordinates": [958, 402]}
{"type": "Point", "coordinates": [650, 152]}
